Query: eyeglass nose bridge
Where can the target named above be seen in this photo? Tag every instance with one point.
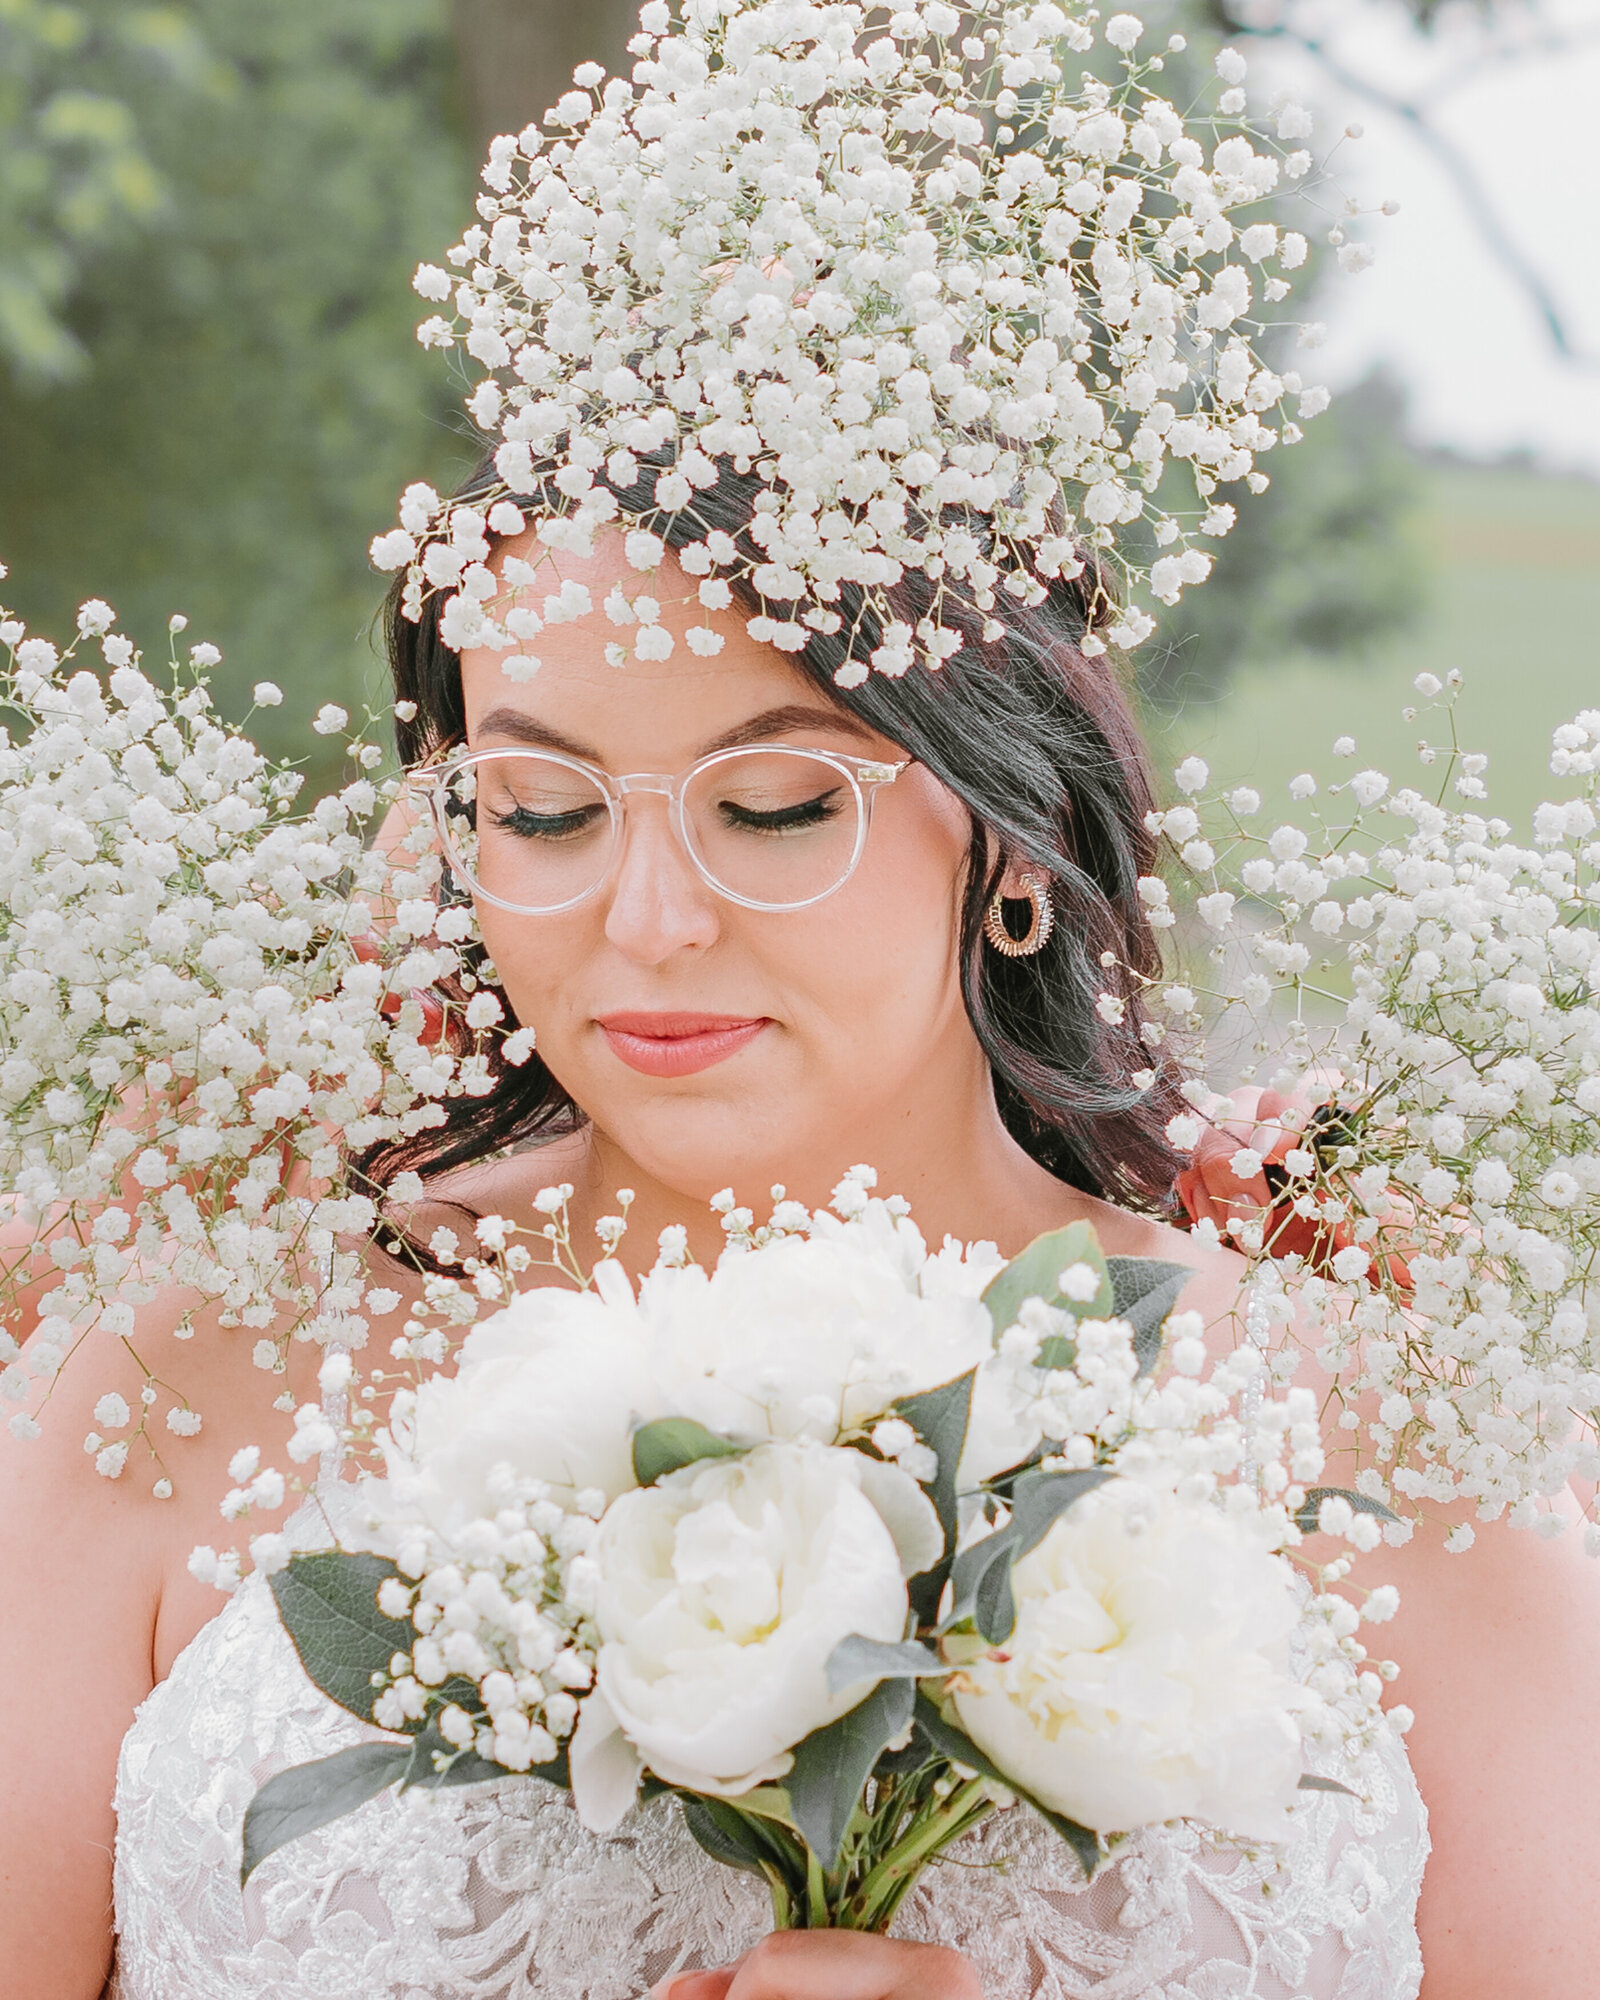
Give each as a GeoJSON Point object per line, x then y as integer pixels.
{"type": "Point", "coordinates": [646, 781]}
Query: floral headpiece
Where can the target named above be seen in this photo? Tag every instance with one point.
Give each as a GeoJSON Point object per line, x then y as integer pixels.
{"type": "Point", "coordinates": [953, 308]}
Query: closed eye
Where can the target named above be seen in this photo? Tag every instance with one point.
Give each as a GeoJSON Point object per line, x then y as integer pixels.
{"type": "Point", "coordinates": [524, 824]}
{"type": "Point", "coordinates": [797, 818]}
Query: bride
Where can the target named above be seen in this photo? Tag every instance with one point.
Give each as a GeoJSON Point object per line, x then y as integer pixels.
{"type": "Point", "coordinates": [709, 1009]}
{"type": "Point", "coordinates": [765, 920]}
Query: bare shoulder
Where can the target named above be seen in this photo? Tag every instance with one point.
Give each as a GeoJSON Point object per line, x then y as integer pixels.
{"type": "Point", "coordinates": [129, 1467]}
{"type": "Point", "coordinates": [1219, 1274]}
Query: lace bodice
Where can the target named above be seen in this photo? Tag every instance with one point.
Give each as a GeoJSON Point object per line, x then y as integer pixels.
{"type": "Point", "coordinates": [497, 1892]}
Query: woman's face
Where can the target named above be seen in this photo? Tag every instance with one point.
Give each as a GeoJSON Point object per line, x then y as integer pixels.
{"type": "Point", "coordinates": [807, 1039]}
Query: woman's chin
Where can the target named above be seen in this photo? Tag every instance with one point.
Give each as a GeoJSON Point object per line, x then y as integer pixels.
{"type": "Point", "coordinates": [697, 1146]}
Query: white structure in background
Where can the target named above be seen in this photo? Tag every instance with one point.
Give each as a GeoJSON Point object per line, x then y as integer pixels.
{"type": "Point", "coordinates": [1515, 100]}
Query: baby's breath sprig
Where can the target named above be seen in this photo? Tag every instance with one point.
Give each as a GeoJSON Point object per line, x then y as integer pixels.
{"type": "Point", "coordinates": [1427, 978]}
{"type": "Point", "coordinates": [955, 303]}
{"type": "Point", "coordinates": [208, 1004]}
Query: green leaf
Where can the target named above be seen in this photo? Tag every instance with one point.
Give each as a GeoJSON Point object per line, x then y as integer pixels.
{"type": "Point", "coordinates": [832, 1765]}
{"type": "Point", "coordinates": [673, 1442]}
{"type": "Point", "coordinates": [939, 1417]}
{"type": "Point", "coordinates": [736, 1839]}
{"type": "Point", "coordinates": [1040, 1500]}
{"type": "Point", "coordinates": [735, 1846]}
{"type": "Point", "coordinates": [300, 1800]}
{"type": "Point", "coordinates": [954, 1743]}
{"type": "Point", "coordinates": [329, 1606]}
{"type": "Point", "coordinates": [1145, 1290]}
{"type": "Point", "coordinates": [1306, 1519]}
{"type": "Point", "coordinates": [1036, 1273]}
{"type": "Point", "coordinates": [858, 1658]}
{"type": "Point", "coordinates": [436, 1763]}
{"type": "Point", "coordinates": [982, 1572]}
{"type": "Point", "coordinates": [768, 1802]}
{"type": "Point", "coordinates": [1310, 1782]}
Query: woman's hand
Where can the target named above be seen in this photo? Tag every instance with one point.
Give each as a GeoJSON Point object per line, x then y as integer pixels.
{"type": "Point", "coordinates": [1266, 1126]}
{"type": "Point", "coordinates": [831, 1965]}
{"type": "Point", "coordinates": [1210, 1187]}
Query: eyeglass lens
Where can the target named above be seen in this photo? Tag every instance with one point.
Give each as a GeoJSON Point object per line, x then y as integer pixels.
{"type": "Point", "coordinates": [776, 828]}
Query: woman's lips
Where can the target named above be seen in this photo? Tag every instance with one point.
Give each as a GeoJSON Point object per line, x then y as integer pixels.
{"type": "Point", "coordinates": [678, 1044]}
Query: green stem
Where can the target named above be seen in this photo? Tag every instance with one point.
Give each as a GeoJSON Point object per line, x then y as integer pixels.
{"type": "Point", "coordinates": [819, 1914]}
{"type": "Point", "coordinates": [895, 1874]}
{"type": "Point", "coordinates": [783, 1905]}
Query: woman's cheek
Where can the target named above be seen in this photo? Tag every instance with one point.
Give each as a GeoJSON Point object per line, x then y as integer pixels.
{"type": "Point", "coordinates": [534, 961]}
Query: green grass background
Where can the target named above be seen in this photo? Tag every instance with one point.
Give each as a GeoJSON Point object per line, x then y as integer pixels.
{"type": "Point", "coordinates": [1510, 564]}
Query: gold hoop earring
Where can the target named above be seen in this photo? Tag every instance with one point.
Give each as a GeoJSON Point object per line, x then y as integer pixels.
{"type": "Point", "coordinates": [1038, 932]}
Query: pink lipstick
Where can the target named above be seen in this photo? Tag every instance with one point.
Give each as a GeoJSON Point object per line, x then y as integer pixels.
{"type": "Point", "coordinates": [678, 1044]}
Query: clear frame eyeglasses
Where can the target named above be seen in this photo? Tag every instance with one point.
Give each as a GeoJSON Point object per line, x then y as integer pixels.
{"type": "Point", "coordinates": [769, 826]}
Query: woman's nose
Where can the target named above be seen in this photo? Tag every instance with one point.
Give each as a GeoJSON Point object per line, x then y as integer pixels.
{"type": "Point", "coordinates": [659, 903]}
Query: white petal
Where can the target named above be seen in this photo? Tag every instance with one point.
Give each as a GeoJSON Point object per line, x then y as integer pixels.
{"type": "Point", "coordinates": [605, 1767]}
{"type": "Point", "coordinates": [907, 1513]}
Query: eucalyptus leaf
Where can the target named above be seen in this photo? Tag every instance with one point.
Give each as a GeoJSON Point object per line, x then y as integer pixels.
{"type": "Point", "coordinates": [768, 1802]}
{"type": "Point", "coordinates": [328, 1602]}
{"type": "Point", "coordinates": [1306, 1519]}
{"type": "Point", "coordinates": [953, 1742]}
{"type": "Point", "coordinates": [670, 1443]}
{"type": "Point", "coordinates": [939, 1417]}
{"type": "Point", "coordinates": [832, 1765]}
{"type": "Point", "coordinates": [1145, 1289]}
{"type": "Point", "coordinates": [727, 1836]}
{"type": "Point", "coordinates": [1039, 1501]}
{"type": "Point", "coordinates": [1310, 1782]}
{"type": "Point", "coordinates": [301, 1799]}
{"type": "Point", "coordinates": [1036, 1274]}
{"type": "Point", "coordinates": [861, 1659]}
{"type": "Point", "coordinates": [982, 1572]}
{"type": "Point", "coordinates": [436, 1764]}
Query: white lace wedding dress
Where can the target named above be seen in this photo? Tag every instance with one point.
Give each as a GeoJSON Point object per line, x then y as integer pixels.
{"type": "Point", "coordinates": [496, 1892]}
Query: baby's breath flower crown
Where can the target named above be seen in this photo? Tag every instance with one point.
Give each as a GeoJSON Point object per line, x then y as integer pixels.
{"type": "Point", "coordinates": [958, 308]}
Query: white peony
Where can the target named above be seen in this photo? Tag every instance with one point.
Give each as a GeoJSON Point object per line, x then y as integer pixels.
{"type": "Point", "coordinates": [1148, 1675]}
{"type": "Point", "coordinates": [550, 1387]}
{"type": "Point", "coordinates": [721, 1592]}
{"type": "Point", "coordinates": [809, 1337]}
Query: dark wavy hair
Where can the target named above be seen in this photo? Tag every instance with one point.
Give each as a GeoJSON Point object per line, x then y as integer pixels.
{"type": "Point", "coordinates": [1039, 743]}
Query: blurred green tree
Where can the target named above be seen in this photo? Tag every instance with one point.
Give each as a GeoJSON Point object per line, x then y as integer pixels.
{"type": "Point", "coordinates": [76, 172]}
{"type": "Point", "coordinates": [1323, 562]}
{"type": "Point", "coordinates": [253, 398]}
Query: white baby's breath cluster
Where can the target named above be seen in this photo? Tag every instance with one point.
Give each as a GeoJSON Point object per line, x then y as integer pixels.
{"type": "Point", "coordinates": [961, 305]}
{"type": "Point", "coordinates": [494, 1604]}
{"type": "Point", "coordinates": [207, 996]}
{"type": "Point", "coordinates": [1430, 974]}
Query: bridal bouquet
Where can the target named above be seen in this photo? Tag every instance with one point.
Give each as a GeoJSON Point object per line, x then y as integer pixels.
{"type": "Point", "coordinates": [1426, 978]}
{"type": "Point", "coordinates": [845, 1544]}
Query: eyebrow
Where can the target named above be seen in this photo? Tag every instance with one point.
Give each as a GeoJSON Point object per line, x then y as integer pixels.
{"type": "Point", "coordinates": [524, 728]}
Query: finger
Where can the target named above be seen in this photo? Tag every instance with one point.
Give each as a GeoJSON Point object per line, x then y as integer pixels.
{"type": "Point", "coordinates": [1198, 1204]}
{"type": "Point", "coordinates": [851, 1965]}
{"type": "Point", "coordinates": [711, 1984]}
{"type": "Point", "coordinates": [1223, 1184]}
{"type": "Point", "coordinates": [1244, 1107]}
